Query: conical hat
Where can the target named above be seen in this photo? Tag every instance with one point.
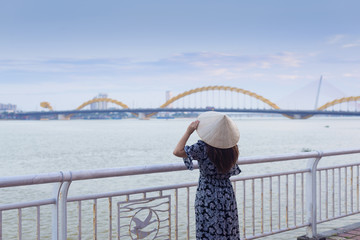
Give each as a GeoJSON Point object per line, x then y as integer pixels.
{"type": "Point", "coordinates": [218, 130]}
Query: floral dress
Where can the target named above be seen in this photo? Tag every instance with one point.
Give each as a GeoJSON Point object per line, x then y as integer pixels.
{"type": "Point", "coordinates": [215, 203]}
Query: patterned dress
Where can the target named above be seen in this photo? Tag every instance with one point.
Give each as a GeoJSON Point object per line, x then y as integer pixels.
{"type": "Point", "coordinates": [215, 203]}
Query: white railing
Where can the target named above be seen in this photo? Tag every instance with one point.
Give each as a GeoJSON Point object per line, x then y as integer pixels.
{"type": "Point", "coordinates": [268, 204]}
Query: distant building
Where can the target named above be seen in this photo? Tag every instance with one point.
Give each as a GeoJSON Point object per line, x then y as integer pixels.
{"type": "Point", "coordinates": [168, 96]}
{"type": "Point", "coordinates": [99, 105]}
{"type": "Point", "coordinates": [7, 107]}
{"type": "Point", "coordinates": [103, 105]}
{"type": "Point", "coordinates": [166, 115]}
{"type": "Point", "coordinates": [94, 106]}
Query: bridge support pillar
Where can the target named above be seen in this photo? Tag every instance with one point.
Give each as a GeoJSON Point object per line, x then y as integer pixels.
{"type": "Point", "coordinates": [61, 117]}
{"type": "Point", "coordinates": [142, 116]}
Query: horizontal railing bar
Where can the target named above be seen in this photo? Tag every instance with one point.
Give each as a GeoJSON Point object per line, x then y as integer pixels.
{"type": "Point", "coordinates": [270, 175]}
{"type": "Point", "coordinates": [90, 174]}
{"type": "Point", "coordinates": [128, 171]}
{"type": "Point", "coordinates": [337, 217]}
{"type": "Point", "coordinates": [338, 166]}
{"type": "Point", "coordinates": [130, 191]}
{"type": "Point", "coordinates": [41, 178]}
{"type": "Point", "coordinates": [340, 152]}
{"type": "Point", "coordinates": [148, 169]}
{"type": "Point", "coordinates": [27, 204]}
{"type": "Point", "coordinates": [294, 156]}
{"type": "Point", "coordinates": [277, 158]}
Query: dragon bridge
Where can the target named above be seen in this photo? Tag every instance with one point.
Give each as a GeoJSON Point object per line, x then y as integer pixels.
{"type": "Point", "coordinates": [209, 88]}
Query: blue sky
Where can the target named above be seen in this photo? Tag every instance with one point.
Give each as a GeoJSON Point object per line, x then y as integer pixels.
{"type": "Point", "coordinates": [66, 52]}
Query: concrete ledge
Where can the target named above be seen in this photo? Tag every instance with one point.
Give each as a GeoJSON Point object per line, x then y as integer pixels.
{"type": "Point", "coordinates": [319, 237]}
{"type": "Point", "coordinates": [341, 230]}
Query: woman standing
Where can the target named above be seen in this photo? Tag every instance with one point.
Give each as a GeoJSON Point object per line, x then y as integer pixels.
{"type": "Point", "coordinates": [216, 153]}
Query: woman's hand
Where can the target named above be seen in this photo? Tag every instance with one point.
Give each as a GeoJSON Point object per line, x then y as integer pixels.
{"type": "Point", "coordinates": [193, 126]}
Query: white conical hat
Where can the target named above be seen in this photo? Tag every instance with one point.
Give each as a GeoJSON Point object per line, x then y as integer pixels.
{"type": "Point", "coordinates": [218, 130]}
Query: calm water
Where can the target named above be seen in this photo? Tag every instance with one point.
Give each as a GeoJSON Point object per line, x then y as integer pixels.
{"type": "Point", "coordinates": [30, 147]}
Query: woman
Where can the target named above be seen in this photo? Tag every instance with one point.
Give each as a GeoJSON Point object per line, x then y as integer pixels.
{"type": "Point", "coordinates": [216, 153]}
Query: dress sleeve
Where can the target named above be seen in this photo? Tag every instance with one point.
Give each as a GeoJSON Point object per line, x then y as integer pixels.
{"type": "Point", "coordinates": [194, 152]}
{"type": "Point", "coordinates": [235, 170]}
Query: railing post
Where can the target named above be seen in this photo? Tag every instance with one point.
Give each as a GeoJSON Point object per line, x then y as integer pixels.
{"type": "Point", "coordinates": [311, 197]}
{"type": "Point", "coordinates": [63, 207]}
{"type": "Point", "coordinates": [59, 213]}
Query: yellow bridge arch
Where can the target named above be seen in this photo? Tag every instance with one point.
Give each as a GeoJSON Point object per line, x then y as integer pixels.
{"type": "Point", "coordinates": [333, 103]}
{"type": "Point", "coordinates": [225, 88]}
{"type": "Point", "coordinates": [110, 100]}
{"type": "Point", "coordinates": [102, 100]}
{"type": "Point", "coordinates": [209, 88]}
{"type": "Point", "coordinates": [338, 101]}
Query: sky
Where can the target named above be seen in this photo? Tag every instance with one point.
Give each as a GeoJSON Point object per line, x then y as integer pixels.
{"type": "Point", "coordinates": [67, 52]}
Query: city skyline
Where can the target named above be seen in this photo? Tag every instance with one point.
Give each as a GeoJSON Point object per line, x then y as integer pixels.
{"type": "Point", "coordinates": [66, 53]}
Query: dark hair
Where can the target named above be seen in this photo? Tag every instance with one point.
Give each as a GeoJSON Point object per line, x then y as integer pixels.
{"type": "Point", "coordinates": [224, 159]}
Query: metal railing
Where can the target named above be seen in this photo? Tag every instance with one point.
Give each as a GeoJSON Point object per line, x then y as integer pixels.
{"type": "Point", "coordinates": [268, 204]}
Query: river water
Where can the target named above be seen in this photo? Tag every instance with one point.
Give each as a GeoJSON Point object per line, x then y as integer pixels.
{"type": "Point", "coordinates": [31, 147]}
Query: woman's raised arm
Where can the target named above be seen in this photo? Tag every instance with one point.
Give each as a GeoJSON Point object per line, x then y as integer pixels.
{"type": "Point", "coordinates": [179, 149]}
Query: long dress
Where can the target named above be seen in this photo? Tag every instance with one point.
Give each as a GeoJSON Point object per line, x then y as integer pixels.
{"type": "Point", "coordinates": [215, 203]}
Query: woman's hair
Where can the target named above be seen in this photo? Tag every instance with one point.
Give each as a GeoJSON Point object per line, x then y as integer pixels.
{"type": "Point", "coordinates": [224, 159]}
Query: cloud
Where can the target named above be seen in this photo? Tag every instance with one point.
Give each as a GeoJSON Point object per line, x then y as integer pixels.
{"type": "Point", "coordinates": [335, 39]}
{"type": "Point", "coordinates": [288, 77]}
{"type": "Point", "coordinates": [286, 59]}
{"type": "Point", "coordinates": [208, 59]}
{"type": "Point", "coordinates": [196, 59]}
{"type": "Point", "coordinates": [348, 75]}
{"type": "Point", "coordinates": [351, 75]}
{"type": "Point", "coordinates": [351, 45]}
{"type": "Point", "coordinates": [231, 66]}
{"type": "Point", "coordinates": [339, 38]}
{"type": "Point", "coordinates": [65, 65]}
